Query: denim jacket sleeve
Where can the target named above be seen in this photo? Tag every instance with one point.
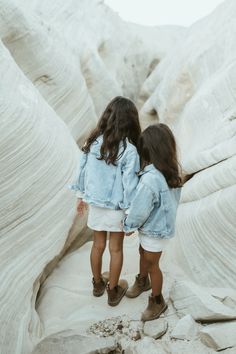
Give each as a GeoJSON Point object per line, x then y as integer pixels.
{"type": "Point", "coordinates": [140, 209]}
{"type": "Point", "coordinates": [130, 170]}
{"type": "Point", "coordinates": [78, 186]}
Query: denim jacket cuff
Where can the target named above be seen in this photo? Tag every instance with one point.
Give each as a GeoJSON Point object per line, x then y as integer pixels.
{"type": "Point", "coordinates": [129, 229]}
{"type": "Point", "coordinates": [79, 194]}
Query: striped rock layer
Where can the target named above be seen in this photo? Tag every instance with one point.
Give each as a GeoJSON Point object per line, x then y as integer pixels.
{"type": "Point", "coordinates": [61, 62]}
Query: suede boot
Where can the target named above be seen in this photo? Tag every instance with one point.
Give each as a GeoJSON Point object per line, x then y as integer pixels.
{"type": "Point", "coordinates": [156, 306]}
{"type": "Point", "coordinates": [140, 285]}
{"type": "Point", "coordinates": [117, 293]}
{"type": "Point", "coordinates": [99, 288]}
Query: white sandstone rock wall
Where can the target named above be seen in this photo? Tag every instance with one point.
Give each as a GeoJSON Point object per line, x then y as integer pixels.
{"type": "Point", "coordinates": [45, 58]}
{"type": "Point", "coordinates": [115, 56]}
{"type": "Point", "coordinates": [193, 90]}
{"type": "Point", "coordinates": [38, 159]}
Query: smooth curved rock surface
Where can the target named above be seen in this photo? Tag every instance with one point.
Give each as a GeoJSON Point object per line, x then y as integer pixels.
{"type": "Point", "coordinates": [38, 158]}
{"type": "Point", "coordinates": [63, 65]}
{"type": "Point", "coordinates": [44, 57]}
{"type": "Point", "coordinates": [116, 57]}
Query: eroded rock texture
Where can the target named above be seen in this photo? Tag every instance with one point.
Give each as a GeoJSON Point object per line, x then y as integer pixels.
{"type": "Point", "coordinates": [61, 62]}
{"type": "Point", "coordinates": [193, 90]}
{"type": "Point", "coordinates": [38, 158]}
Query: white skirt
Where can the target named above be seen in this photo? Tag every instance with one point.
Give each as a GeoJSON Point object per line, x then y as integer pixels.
{"type": "Point", "coordinates": [153, 244]}
{"type": "Point", "coordinates": [104, 219]}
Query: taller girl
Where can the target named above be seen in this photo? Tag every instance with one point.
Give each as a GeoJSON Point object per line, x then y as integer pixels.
{"type": "Point", "coordinates": [107, 181]}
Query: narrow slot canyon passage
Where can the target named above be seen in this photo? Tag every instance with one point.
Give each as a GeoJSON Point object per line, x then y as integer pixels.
{"type": "Point", "coordinates": [61, 63]}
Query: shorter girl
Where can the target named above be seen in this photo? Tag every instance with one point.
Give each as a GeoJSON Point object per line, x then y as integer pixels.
{"type": "Point", "coordinates": [153, 212]}
{"type": "Point", "coordinates": [107, 181]}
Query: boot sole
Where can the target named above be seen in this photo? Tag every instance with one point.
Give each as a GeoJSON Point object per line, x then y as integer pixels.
{"type": "Point", "coordinates": [156, 316]}
{"type": "Point", "coordinates": [134, 296]}
{"type": "Point", "coordinates": [99, 294]}
{"type": "Point", "coordinates": [115, 303]}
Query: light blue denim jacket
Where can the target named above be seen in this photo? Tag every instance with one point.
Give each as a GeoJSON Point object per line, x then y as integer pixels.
{"type": "Point", "coordinates": [153, 209]}
{"type": "Point", "coordinates": [104, 185]}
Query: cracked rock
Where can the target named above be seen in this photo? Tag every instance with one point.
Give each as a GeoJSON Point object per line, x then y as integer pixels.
{"type": "Point", "coordinates": [219, 336]}
{"type": "Point", "coordinates": [186, 329]}
{"type": "Point", "coordinates": [156, 328]}
{"type": "Point", "coordinates": [68, 342]}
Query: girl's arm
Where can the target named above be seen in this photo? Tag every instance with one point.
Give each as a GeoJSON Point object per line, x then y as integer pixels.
{"type": "Point", "coordinates": [130, 177]}
{"type": "Point", "coordinates": [140, 209]}
{"type": "Point", "coordinates": [78, 185]}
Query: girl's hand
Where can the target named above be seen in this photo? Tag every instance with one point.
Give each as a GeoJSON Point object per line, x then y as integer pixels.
{"type": "Point", "coordinates": [126, 233]}
{"type": "Point", "coordinates": [81, 206]}
{"type": "Point", "coordinates": [129, 233]}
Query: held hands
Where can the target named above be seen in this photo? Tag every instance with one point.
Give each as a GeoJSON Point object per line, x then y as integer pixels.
{"type": "Point", "coordinates": [81, 206]}
{"type": "Point", "coordinates": [126, 233]}
{"type": "Point", "coordinates": [129, 233]}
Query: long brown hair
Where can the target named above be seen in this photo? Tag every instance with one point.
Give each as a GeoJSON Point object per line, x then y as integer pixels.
{"type": "Point", "coordinates": [119, 121]}
{"type": "Point", "coordinates": [157, 146]}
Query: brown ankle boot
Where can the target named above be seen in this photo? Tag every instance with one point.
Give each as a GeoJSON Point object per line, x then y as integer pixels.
{"type": "Point", "coordinates": [115, 295]}
{"type": "Point", "coordinates": [140, 285]}
{"type": "Point", "coordinates": [99, 288]}
{"type": "Point", "coordinates": [156, 305]}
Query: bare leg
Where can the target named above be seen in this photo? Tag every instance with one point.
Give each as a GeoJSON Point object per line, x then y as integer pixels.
{"type": "Point", "coordinates": [99, 245]}
{"type": "Point", "coordinates": [116, 257]}
{"type": "Point", "coordinates": [152, 261]}
{"type": "Point", "coordinates": [143, 267]}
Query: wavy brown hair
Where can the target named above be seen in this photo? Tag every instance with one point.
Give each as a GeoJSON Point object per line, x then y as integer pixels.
{"type": "Point", "coordinates": [157, 146]}
{"type": "Point", "coordinates": [119, 121]}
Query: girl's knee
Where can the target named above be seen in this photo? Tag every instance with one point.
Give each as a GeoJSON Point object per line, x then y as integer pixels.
{"type": "Point", "coordinates": [117, 248]}
{"type": "Point", "coordinates": [116, 243]}
{"type": "Point", "coordinates": [151, 260]}
{"type": "Point", "coordinates": [99, 246]}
